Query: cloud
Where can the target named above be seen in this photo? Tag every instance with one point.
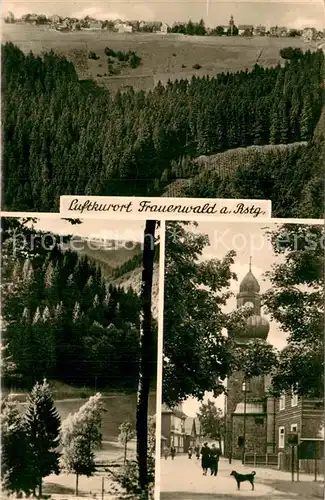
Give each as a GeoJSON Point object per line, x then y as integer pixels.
{"type": "Point", "coordinates": [306, 22]}
{"type": "Point", "coordinates": [100, 13]}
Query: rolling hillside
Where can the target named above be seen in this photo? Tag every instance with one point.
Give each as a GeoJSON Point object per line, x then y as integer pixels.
{"type": "Point", "coordinates": [164, 57]}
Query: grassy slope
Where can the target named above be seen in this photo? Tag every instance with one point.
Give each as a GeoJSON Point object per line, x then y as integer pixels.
{"type": "Point", "coordinates": [223, 164]}
{"type": "Point", "coordinates": [162, 55]}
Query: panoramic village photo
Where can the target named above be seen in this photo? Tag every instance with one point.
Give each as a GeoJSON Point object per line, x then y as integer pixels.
{"type": "Point", "coordinates": [243, 361]}
{"type": "Point", "coordinates": [79, 357]}
{"type": "Point", "coordinates": [189, 99]}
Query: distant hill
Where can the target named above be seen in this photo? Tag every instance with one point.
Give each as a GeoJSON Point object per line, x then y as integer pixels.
{"type": "Point", "coordinates": [120, 262]}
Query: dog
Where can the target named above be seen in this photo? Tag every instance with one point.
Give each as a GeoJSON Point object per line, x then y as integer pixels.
{"type": "Point", "coordinates": [240, 478]}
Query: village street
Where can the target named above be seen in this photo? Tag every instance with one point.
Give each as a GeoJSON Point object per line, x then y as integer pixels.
{"type": "Point", "coordinates": [182, 479]}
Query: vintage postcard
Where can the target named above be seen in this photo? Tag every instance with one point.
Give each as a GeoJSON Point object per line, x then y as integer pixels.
{"type": "Point", "coordinates": [79, 355]}
{"type": "Point", "coordinates": [118, 117]}
{"type": "Point", "coordinates": [243, 360]}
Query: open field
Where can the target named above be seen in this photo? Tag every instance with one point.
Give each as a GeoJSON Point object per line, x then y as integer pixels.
{"type": "Point", "coordinates": [119, 407]}
{"type": "Point", "coordinates": [164, 57]}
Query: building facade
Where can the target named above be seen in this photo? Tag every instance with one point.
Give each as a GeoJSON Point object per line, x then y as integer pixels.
{"type": "Point", "coordinates": [173, 427]}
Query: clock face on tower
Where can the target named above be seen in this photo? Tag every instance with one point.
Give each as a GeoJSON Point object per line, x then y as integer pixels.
{"type": "Point", "coordinates": [249, 304]}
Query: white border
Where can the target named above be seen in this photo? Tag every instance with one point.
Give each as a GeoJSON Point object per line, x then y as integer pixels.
{"type": "Point", "coordinates": [161, 299]}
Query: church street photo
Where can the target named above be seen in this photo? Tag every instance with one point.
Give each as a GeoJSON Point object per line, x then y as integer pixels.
{"type": "Point", "coordinates": [243, 362]}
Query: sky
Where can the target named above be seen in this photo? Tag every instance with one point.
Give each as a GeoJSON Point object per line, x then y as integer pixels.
{"type": "Point", "coordinates": [124, 230]}
{"type": "Point", "coordinates": [296, 14]}
{"type": "Point", "coordinates": [247, 239]}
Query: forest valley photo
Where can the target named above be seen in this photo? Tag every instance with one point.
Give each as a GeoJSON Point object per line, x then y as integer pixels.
{"type": "Point", "coordinates": [65, 320]}
{"type": "Point", "coordinates": [57, 130]}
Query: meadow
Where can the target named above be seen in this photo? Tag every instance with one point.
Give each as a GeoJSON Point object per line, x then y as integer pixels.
{"type": "Point", "coordinates": [163, 57]}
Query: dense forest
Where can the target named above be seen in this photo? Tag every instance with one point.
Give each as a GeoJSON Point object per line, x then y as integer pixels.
{"type": "Point", "coordinates": [63, 321]}
{"type": "Point", "coordinates": [65, 136]}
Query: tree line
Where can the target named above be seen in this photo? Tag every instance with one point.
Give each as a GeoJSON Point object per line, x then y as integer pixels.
{"type": "Point", "coordinates": [57, 129]}
{"type": "Point", "coordinates": [63, 321]}
{"type": "Point", "coordinates": [198, 356]}
{"type": "Point", "coordinates": [35, 443]}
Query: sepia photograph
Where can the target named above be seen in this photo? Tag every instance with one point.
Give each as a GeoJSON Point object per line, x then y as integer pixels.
{"type": "Point", "coordinates": [243, 361]}
{"type": "Point", "coordinates": [208, 99]}
{"type": "Point", "coordinates": [78, 357]}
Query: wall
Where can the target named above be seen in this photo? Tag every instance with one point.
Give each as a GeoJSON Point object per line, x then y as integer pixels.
{"type": "Point", "coordinates": [166, 427]}
{"type": "Point", "coordinates": [255, 435]}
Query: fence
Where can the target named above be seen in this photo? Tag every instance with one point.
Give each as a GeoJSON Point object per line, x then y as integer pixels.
{"type": "Point", "coordinates": [305, 466]}
{"type": "Point", "coordinates": [268, 459]}
{"type": "Point", "coordinates": [282, 461]}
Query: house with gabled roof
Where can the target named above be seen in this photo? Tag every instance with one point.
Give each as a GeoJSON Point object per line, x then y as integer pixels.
{"type": "Point", "coordinates": [173, 427]}
{"type": "Point", "coordinates": [192, 432]}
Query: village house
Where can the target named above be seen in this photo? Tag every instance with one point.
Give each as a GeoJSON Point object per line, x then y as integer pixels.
{"type": "Point", "coordinates": [302, 417]}
{"type": "Point", "coordinates": [245, 30]}
{"type": "Point", "coordinates": [55, 19]}
{"type": "Point", "coordinates": [309, 34]}
{"type": "Point", "coordinates": [163, 28]}
{"type": "Point", "coordinates": [124, 28]}
{"type": "Point", "coordinates": [259, 30]}
{"type": "Point", "coordinates": [95, 25]}
{"type": "Point", "coordinates": [173, 427]}
{"type": "Point", "coordinates": [192, 433]}
{"type": "Point", "coordinates": [278, 31]}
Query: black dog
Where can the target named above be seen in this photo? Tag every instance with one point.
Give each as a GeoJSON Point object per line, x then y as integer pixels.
{"type": "Point", "coordinates": [240, 478]}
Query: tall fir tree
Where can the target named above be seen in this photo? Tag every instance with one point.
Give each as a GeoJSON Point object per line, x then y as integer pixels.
{"type": "Point", "coordinates": [42, 424]}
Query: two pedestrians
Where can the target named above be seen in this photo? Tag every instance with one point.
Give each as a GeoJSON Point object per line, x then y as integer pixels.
{"type": "Point", "coordinates": [214, 460]}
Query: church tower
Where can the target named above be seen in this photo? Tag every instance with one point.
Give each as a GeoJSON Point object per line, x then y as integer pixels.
{"type": "Point", "coordinates": [246, 399]}
{"type": "Point", "coordinates": [231, 25]}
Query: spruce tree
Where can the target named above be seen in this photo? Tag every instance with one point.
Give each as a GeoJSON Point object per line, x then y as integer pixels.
{"type": "Point", "coordinates": [17, 472]}
{"type": "Point", "coordinates": [42, 423]}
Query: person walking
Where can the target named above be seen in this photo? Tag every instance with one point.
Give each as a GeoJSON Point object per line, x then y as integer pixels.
{"type": "Point", "coordinates": [166, 452]}
{"type": "Point", "coordinates": [197, 451]}
{"type": "Point", "coordinates": [190, 452]}
{"type": "Point", "coordinates": [214, 460]}
{"type": "Point", "coordinates": [205, 460]}
{"type": "Point", "coordinates": [173, 452]}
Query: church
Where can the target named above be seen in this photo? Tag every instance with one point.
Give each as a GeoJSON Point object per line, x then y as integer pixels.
{"type": "Point", "coordinates": [258, 425]}
{"type": "Point", "coordinates": [250, 413]}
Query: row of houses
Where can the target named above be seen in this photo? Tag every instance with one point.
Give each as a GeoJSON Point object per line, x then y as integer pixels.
{"type": "Point", "coordinates": [120, 26]}
{"type": "Point", "coordinates": [179, 430]}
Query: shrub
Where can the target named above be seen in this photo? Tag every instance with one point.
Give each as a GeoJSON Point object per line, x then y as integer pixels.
{"type": "Point", "coordinates": [109, 52]}
{"type": "Point", "coordinates": [197, 66]}
{"type": "Point", "coordinates": [134, 60]}
{"type": "Point", "coordinates": [93, 55]}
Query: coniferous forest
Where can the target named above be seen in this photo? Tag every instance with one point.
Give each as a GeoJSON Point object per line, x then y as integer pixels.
{"type": "Point", "coordinates": [65, 136]}
{"type": "Point", "coordinates": [63, 321]}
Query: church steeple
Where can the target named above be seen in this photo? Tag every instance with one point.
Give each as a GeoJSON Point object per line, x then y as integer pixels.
{"type": "Point", "coordinates": [249, 295]}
